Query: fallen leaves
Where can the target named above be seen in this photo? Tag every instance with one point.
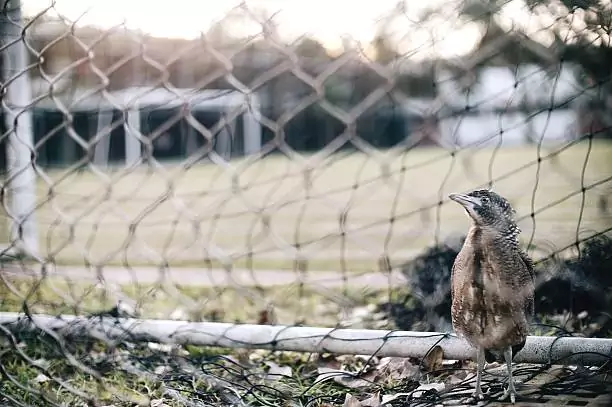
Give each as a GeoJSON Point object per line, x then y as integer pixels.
{"type": "Point", "coordinates": [372, 401]}
{"type": "Point", "coordinates": [351, 401]}
{"type": "Point", "coordinates": [376, 400]}
{"type": "Point", "coordinates": [347, 379]}
{"type": "Point", "coordinates": [244, 376]}
{"type": "Point", "coordinates": [433, 360]}
{"type": "Point", "coordinates": [396, 369]}
{"type": "Point", "coordinates": [403, 378]}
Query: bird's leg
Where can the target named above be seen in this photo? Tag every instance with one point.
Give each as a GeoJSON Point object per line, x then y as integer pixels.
{"type": "Point", "coordinates": [480, 361]}
{"type": "Point", "coordinates": [510, 391]}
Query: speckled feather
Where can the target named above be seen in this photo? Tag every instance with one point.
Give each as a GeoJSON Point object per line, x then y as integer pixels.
{"type": "Point", "coordinates": [493, 283]}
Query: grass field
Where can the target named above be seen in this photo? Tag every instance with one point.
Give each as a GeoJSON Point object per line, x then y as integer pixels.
{"type": "Point", "coordinates": [201, 216]}
{"type": "Point", "coordinates": [37, 372]}
{"type": "Point", "coordinates": [346, 217]}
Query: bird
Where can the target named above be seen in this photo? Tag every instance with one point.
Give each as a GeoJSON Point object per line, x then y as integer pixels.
{"type": "Point", "coordinates": [492, 284]}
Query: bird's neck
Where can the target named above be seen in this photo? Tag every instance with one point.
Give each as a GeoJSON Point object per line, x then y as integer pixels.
{"type": "Point", "coordinates": [501, 235]}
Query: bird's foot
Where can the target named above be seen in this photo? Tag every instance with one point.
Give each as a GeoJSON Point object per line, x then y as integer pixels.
{"type": "Point", "coordinates": [509, 393]}
{"type": "Point", "coordinates": [475, 397]}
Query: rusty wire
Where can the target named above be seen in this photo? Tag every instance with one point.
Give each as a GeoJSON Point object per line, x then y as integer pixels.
{"type": "Point", "coordinates": [317, 223]}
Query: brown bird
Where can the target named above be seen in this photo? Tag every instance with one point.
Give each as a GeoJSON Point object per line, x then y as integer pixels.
{"type": "Point", "coordinates": [492, 284]}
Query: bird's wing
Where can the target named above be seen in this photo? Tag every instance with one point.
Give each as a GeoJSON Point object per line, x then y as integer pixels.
{"type": "Point", "coordinates": [459, 271]}
{"type": "Point", "coordinates": [516, 277]}
{"type": "Point", "coordinates": [529, 300]}
{"type": "Point", "coordinates": [528, 263]}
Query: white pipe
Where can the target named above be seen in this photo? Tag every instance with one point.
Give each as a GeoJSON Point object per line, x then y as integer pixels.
{"type": "Point", "coordinates": [19, 123]}
{"type": "Point", "coordinates": [538, 349]}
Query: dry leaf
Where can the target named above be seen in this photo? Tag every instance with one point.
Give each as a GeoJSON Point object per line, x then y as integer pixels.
{"type": "Point", "coordinates": [451, 364]}
{"type": "Point", "coordinates": [241, 357]}
{"type": "Point", "coordinates": [342, 377]}
{"type": "Point", "coordinates": [373, 401]}
{"type": "Point", "coordinates": [398, 369]}
{"type": "Point", "coordinates": [327, 374]}
{"type": "Point", "coordinates": [267, 316]}
{"type": "Point", "coordinates": [351, 401]}
{"type": "Point", "coordinates": [41, 378]}
{"type": "Point", "coordinates": [454, 379]}
{"type": "Point", "coordinates": [355, 363]}
{"type": "Point", "coordinates": [434, 358]}
{"type": "Point", "coordinates": [257, 356]}
{"type": "Point", "coordinates": [388, 398]}
{"type": "Point", "coordinates": [162, 369]}
{"type": "Point", "coordinates": [276, 372]}
{"type": "Point", "coordinates": [162, 347]}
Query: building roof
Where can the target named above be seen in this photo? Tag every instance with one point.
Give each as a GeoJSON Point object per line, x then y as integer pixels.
{"type": "Point", "coordinates": [196, 99]}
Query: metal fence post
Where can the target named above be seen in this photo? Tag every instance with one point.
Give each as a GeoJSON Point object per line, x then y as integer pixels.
{"type": "Point", "coordinates": [19, 122]}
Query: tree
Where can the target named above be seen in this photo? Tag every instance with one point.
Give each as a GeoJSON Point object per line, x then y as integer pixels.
{"type": "Point", "coordinates": [311, 48]}
{"type": "Point", "coordinates": [580, 33]}
{"type": "Point", "coordinates": [582, 29]}
{"type": "Point", "coordinates": [384, 51]}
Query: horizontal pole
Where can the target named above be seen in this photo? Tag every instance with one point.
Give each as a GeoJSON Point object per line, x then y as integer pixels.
{"type": "Point", "coordinates": [538, 349]}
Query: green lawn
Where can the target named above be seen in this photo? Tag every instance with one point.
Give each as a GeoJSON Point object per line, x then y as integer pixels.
{"type": "Point", "coordinates": [291, 304]}
{"type": "Point", "coordinates": [37, 372]}
{"type": "Point", "coordinates": [131, 375]}
{"type": "Point", "coordinates": [186, 216]}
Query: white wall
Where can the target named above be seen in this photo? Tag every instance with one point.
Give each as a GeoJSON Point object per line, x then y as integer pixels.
{"type": "Point", "coordinates": [509, 129]}
{"type": "Point", "coordinates": [496, 89]}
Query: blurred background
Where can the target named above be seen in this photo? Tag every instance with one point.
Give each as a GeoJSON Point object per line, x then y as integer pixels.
{"type": "Point", "coordinates": [290, 162]}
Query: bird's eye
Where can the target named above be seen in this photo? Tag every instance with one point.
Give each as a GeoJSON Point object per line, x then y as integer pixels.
{"type": "Point", "coordinates": [485, 199]}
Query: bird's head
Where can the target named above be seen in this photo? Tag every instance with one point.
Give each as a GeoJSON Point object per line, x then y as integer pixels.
{"type": "Point", "coordinates": [486, 208]}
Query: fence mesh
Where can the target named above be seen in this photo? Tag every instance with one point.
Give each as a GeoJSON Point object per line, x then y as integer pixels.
{"type": "Point", "coordinates": [268, 172]}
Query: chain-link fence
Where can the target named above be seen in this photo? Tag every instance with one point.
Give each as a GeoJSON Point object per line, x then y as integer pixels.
{"type": "Point", "coordinates": [259, 217]}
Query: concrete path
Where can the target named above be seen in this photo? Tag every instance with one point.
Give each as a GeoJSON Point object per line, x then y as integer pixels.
{"type": "Point", "coordinates": [213, 277]}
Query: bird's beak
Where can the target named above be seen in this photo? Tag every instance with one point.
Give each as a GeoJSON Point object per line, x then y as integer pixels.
{"type": "Point", "coordinates": [465, 200]}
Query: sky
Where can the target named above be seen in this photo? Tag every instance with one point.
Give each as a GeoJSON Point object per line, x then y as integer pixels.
{"type": "Point", "coordinates": [326, 20]}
